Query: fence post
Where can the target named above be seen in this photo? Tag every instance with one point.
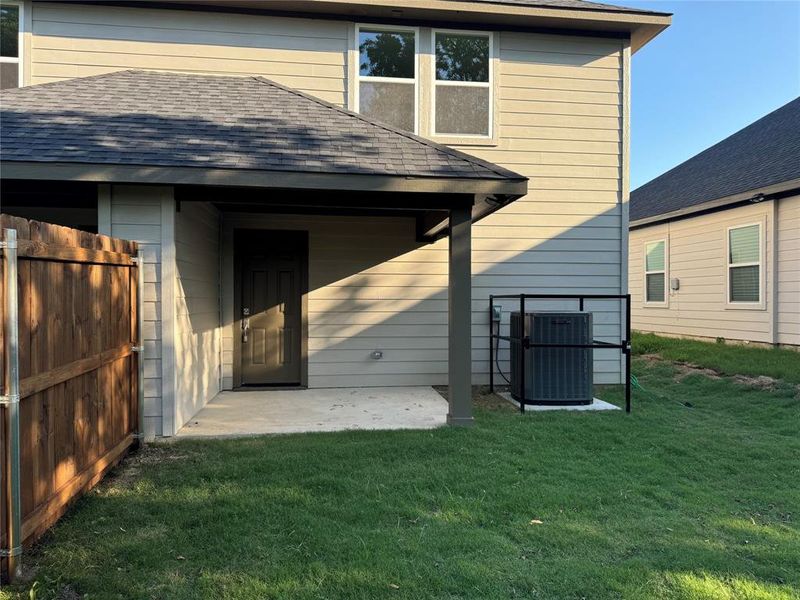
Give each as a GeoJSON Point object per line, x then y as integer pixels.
{"type": "Point", "coordinates": [11, 402]}
{"type": "Point", "coordinates": [140, 342]}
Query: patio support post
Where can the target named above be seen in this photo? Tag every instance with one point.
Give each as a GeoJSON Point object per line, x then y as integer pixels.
{"type": "Point", "coordinates": [459, 301]}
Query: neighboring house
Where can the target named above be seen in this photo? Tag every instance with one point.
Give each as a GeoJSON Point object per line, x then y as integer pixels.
{"type": "Point", "coordinates": [715, 242]}
{"type": "Point", "coordinates": [287, 238]}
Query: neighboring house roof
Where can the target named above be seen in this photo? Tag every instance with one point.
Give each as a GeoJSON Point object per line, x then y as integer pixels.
{"type": "Point", "coordinates": [215, 122]}
{"type": "Point", "coordinates": [571, 5]}
{"type": "Point", "coordinates": [763, 154]}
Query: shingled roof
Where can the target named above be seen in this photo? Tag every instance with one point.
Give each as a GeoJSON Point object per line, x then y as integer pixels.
{"type": "Point", "coordinates": [762, 154]}
{"type": "Point", "coordinates": [215, 122]}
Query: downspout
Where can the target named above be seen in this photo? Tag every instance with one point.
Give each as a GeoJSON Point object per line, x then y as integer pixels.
{"type": "Point", "coordinates": [11, 402]}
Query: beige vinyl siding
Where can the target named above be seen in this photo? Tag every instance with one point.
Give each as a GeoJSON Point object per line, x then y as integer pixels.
{"type": "Point", "coordinates": [197, 312]}
{"type": "Point", "coordinates": [367, 291]}
{"type": "Point", "coordinates": [372, 287]}
{"type": "Point", "coordinates": [788, 261]}
{"type": "Point", "coordinates": [559, 120]}
{"type": "Point", "coordinates": [135, 213]}
{"type": "Point", "coordinates": [696, 256]}
{"type": "Point", "coordinates": [79, 40]}
{"type": "Point", "coordinates": [559, 117]}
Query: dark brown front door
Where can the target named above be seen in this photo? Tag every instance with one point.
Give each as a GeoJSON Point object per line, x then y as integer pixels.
{"type": "Point", "coordinates": [271, 265]}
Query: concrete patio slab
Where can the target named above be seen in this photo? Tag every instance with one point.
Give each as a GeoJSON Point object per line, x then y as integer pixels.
{"type": "Point", "coordinates": [597, 404]}
{"type": "Point", "coordinates": [245, 413]}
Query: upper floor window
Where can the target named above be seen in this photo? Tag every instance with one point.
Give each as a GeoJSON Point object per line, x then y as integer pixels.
{"type": "Point", "coordinates": [655, 272]}
{"type": "Point", "coordinates": [462, 90]}
{"type": "Point", "coordinates": [10, 45]}
{"type": "Point", "coordinates": [387, 75]}
{"type": "Point", "coordinates": [744, 264]}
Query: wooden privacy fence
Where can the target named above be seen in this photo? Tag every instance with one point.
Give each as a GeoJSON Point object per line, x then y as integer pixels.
{"type": "Point", "coordinates": [71, 371]}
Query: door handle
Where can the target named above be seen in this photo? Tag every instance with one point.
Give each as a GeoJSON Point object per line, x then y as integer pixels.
{"type": "Point", "coordinates": [245, 325]}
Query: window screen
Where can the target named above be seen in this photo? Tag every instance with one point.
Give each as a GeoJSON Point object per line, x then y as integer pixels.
{"type": "Point", "coordinates": [744, 264]}
{"type": "Point", "coordinates": [387, 76]}
{"type": "Point", "coordinates": [462, 89]}
{"type": "Point", "coordinates": [9, 46]}
{"type": "Point", "coordinates": [655, 271]}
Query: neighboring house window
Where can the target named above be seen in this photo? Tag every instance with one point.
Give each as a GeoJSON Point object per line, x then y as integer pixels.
{"type": "Point", "coordinates": [387, 77]}
{"type": "Point", "coordinates": [10, 45]}
{"type": "Point", "coordinates": [655, 272]}
{"type": "Point", "coordinates": [744, 264]}
{"type": "Point", "coordinates": [462, 88]}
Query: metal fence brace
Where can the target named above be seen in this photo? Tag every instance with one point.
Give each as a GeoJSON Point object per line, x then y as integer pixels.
{"type": "Point", "coordinates": [10, 401]}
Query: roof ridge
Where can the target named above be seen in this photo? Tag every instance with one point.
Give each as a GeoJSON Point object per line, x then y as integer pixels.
{"type": "Point", "coordinates": [417, 138]}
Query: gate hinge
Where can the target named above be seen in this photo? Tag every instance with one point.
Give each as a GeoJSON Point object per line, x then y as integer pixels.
{"type": "Point", "coordinates": [9, 399]}
{"type": "Point", "coordinates": [135, 348]}
{"type": "Point", "coordinates": [135, 260]}
{"type": "Point", "coordinates": [8, 244]}
{"type": "Point", "coordinates": [5, 552]}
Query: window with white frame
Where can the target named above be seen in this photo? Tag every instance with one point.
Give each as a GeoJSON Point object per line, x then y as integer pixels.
{"type": "Point", "coordinates": [10, 45]}
{"type": "Point", "coordinates": [387, 75]}
{"type": "Point", "coordinates": [744, 264]}
{"type": "Point", "coordinates": [655, 272]}
{"type": "Point", "coordinates": [462, 87]}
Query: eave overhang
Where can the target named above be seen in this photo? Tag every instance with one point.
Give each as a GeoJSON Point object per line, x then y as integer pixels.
{"type": "Point", "coordinates": [754, 195]}
{"type": "Point", "coordinates": [485, 195]}
{"type": "Point", "coordinates": [638, 26]}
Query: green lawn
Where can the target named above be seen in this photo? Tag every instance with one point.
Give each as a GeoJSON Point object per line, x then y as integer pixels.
{"type": "Point", "coordinates": [728, 359]}
{"type": "Point", "coordinates": [667, 502]}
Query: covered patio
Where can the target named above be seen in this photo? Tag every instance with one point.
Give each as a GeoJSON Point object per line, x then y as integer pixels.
{"type": "Point", "coordinates": [191, 165]}
{"type": "Point", "coordinates": [259, 412]}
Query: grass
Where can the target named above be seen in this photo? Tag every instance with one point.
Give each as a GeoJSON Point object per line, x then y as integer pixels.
{"type": "Point", "coordinates": [667, 502]}
{"type": "Point", "coordinates": [727, 359]}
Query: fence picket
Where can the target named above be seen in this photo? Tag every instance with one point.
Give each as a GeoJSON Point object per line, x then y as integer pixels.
{"type": "Point", "coordinates": [78, 377]}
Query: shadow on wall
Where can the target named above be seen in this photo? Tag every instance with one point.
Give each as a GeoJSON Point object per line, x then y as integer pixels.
{"type": "Point", "coordinates": [373, 288]}
{"type": "Point", "coordinates": [388, 294]}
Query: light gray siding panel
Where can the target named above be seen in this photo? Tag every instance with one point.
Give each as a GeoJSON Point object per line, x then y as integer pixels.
{"type": "Point", "coordinates": [197, 331]}
{"type": "Point", "coordinates": [135, 214]}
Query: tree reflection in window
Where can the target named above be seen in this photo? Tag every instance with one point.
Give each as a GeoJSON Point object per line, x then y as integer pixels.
{"type": "Point", "coordinates": [386, 54]}
{"type": "Point", "coordinates": [462, 57]}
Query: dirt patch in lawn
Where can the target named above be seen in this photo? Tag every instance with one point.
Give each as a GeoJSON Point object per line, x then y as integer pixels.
{"type": "Point", "coordinates": [682, 369]}
{"type": "Point", "coordinates": [761, 382]}
{"type": "Point", "coordinates": [483, 398]}
{"type": "Point", "coordinates": [685, 369]}
{"type": "Point", "coordinates": [128, 471]}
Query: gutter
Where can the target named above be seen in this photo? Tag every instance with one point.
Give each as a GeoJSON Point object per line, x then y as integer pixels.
{"type": "Point", "coordinates": [253, 178]}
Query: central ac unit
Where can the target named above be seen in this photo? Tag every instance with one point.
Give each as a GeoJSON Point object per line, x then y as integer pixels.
{"type": "Point", "coordinates": [553, 375]}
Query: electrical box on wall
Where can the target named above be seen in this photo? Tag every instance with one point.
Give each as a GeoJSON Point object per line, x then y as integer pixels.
{"type": "Point", "coordinates": [674, 284]}
{"type": "Point", "coordinates": [497, 311]}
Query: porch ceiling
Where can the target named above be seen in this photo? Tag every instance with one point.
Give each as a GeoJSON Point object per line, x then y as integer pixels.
{"type": "Point", "coordinates": [431, 211]}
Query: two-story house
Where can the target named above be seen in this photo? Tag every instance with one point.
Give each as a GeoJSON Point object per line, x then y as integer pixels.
{"type": "Point", "coordinates": [328, 191]}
